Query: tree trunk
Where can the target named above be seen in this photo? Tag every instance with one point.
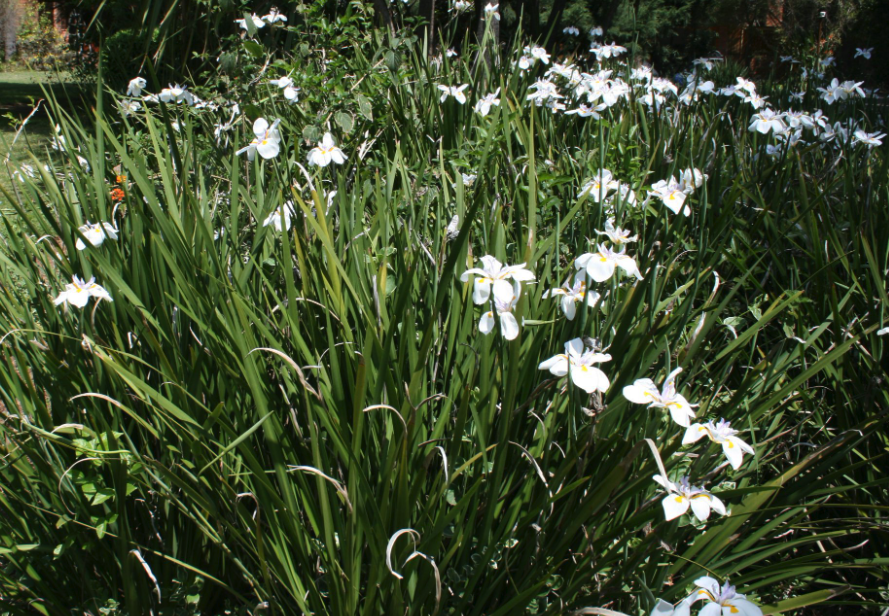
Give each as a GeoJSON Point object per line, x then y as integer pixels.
{"type": "Point", "coordinates": [427, 12]}
{"type": "Point", "coordinates": [611, 13]}
{"type": "Point", "coordinates": [555, 15]}
{"type": "Point", "coordinates": [384, 15]}
{"type": "Point", "coordinates": [532, 16]}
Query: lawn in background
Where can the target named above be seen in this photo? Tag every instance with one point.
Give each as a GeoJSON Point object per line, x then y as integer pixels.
{"type": "Point", "coordinates": [19, 93]}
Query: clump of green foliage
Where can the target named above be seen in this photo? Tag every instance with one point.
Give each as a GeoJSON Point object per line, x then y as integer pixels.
{"type": "Point", "coordinates": [305, 416]}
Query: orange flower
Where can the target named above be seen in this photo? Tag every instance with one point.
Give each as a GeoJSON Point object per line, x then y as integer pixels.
{"type": "Point", "coordinates": [120, 179]}
{"type": "Point", "coordinates": [117, 195]}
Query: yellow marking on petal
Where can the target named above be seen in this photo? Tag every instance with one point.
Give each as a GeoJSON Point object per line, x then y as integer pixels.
{"type": "Point", "coordinates": [680, 499]}
{"type": "Point", "coordinates": [729, 444]}
{"type": "Point", "coordinates": [707, 592]}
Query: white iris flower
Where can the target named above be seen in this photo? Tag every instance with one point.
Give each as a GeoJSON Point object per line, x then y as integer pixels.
{"type": "Point", "coordinates": [267, 140]}
{"type": "Point", "coordinates": [671, 194]}
{"type": "Point", "coordinates": [721, 434]}
{"type": "Point", "coordinates": [601, 265]}
{"type": "Point", "coordinates": [617, 235]}
{"type": "Point", "coordinates": [494, 274]}
{"type": "Point", "coordinates": [326, 152]}
{"type": "Point", "coordinates": [644, 391]}
{"type": "Point", "coordinates": [483, 105]}
{"type": "Point", "coordinates": [724, 601]}
{"type": "Point", "coordinates": [256, 19]}
{"type": "Point", "coordinates": [509, 326]}
{"type": "Point", "coordinates": [291, 92]}
{"type": "Point", "coordinates": [455, 91]}
{"type": "Point", "coordinates": [572, 294]}
{"type": "Point", "coordinates": [134, 88]}
{"type": "Point", "coordinates": [683, 496]}
{"type": "Point", "coordinates": [95, 234]}
{"type": "Point", "coordinates": [78, 293]}
{"type": "Point", "coordinates": [280, 218]}
{"type": "Point", "coordinates": [579, 363]}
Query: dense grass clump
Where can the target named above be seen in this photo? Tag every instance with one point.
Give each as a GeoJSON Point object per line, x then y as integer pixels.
{"type": "Point", "coordinates": [285, 390]}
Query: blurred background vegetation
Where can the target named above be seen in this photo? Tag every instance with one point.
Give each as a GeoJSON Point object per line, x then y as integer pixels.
{"type": "Point", "coordinates": [185, 37]}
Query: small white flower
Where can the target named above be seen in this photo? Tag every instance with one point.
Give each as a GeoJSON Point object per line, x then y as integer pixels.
{"type": "Point", "coordinates": [869, 139]}
{"type": "Point", "coordinates": [257, 21]}
{"type": "Point", "coordinates": [834, 92]}
{"type": "Point", "coordinates": [280, 218]}
{"type": "Point", "coordinates": [494, 274]}
{"type": "Point", "coordinates": [852, 89]}
{"type": "Point", "coordinates": [707, 63]}
{"type": "Point", "coordinates": [603, 52]}
{"type": "Point", "coordinates": [509, 326]}
{"type": "Point", "coordinates": [491, 11]}
{"type": "Point", "coordinates": [455, 91]}
{"type": "Point", "coordinates": [617, 235]}
{"type": "Point", "coordinates": [599, 187]}
{"type": "Point", "coordinates": [690, 179]}
{"type": "Point", "coordinates": [745, 85]}
{"type": "Point", "coordinates": [326, 152]}
{"type": "Point", "coordinates": [683, 496]}
{"type": "Point", "coordinates": [78, 293]}
{"type": "Point", "coordinates": [134, 88]}
{"type": "Point", "coordinates": [95, 234]}
{"type": "Point", "coordinates": [571, 31]}
{"type": "Point", "coordinates": [176, 94]}
{"type": "Point", "coordinates": [725, 600]}
{"type": "Point", "coordinates": [767, 120]}
{"type": "Point", "coordinates": [601, 265]}
{"type": "Point", "coordinates": [267, 140]}
{"type": "Point", "coordinates": [671, 193]}
{"type": "Point", "coordinates": [483, 105]}
{"type": "Point", "coordinates": [291, 92]}
{"type": "Point", "coordinates": [596, 31]}
{"type": "Point", "coordinates": [756, 101]}
{"type": "Point", "coordinates": [864, 53]}
{"type": "Point", "coordinates": [644, 391]}
{"type": "Point", "coordinates": [586, 111]}
{"type": "Point", "coordinates": [461, 6]}
{"type": "Point", "coordinates": [572, 294]}
{"type": "Point", "coordinates": [129, 107]}
{"type": "Point", "coordinates": [539, 53]}
{"type": "Point", "coordinates": [274, 17]}
{"type": "Point", "coordinates": [468, 178]}
{"type": "Point", "coordinates": [579, 363]}
{"type": "Point", "coordinates": [721, 434]}
{"type": "Point", "coordinates": [544, 90]}
{"type": "Point", "coordinates": [451, 53]}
